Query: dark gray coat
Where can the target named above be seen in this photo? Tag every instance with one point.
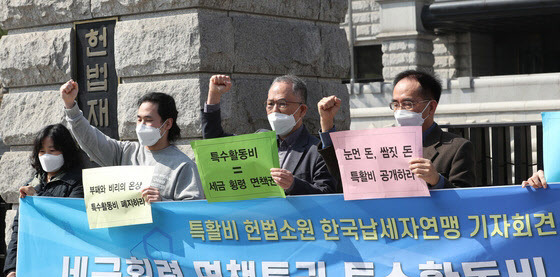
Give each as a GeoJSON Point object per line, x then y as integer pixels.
{"type": "Point", "coordinates": [308, 167]}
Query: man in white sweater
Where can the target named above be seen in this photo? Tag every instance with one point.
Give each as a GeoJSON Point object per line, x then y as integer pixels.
{"type": "Point", "coordinates": [175, 174]}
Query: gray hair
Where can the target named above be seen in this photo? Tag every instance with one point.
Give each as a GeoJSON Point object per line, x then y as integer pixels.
{"type": "Point", "coordinates": [298, 85]}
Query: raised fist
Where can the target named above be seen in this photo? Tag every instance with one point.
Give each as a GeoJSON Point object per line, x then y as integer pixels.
{"type": "Point", "coordinates": [328, 107]}
{"type": "Point", "coordinates": [68, 93]}
{"type": "Point", "coordinates": [219, 84]}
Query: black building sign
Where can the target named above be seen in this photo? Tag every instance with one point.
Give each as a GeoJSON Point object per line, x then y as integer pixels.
{"type": "Point", "coordinates": [96, 75]}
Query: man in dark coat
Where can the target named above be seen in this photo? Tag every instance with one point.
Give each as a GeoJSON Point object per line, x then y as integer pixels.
{"type": "Point", "coordinates": [303, 170]}
{"type": "Point", "coordinates": [448, 160]}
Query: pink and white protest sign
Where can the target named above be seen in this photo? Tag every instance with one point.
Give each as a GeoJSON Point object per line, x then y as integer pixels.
{"type": "Point", "coordinates": [374, 163]}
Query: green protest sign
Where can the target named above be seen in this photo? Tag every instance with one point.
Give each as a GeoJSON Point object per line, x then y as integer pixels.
{"type": "Point", "coordinates": [238, 167]}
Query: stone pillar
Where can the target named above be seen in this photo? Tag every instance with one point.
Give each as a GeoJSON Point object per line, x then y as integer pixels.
{"type": "Point", "coordinates": [406, 44]}
{"type": "Point", "coordinates": [365, 20]}
{"type": "Point", "coordinates": [169, 46]}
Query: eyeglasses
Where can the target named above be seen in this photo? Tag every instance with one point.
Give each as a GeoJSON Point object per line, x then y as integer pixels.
{"type": "Point", "coordinates": [281, 103]}
{"type": "Point", "coordinates": [405, 105]}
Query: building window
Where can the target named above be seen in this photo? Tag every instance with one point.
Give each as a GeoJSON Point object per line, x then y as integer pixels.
{"type": "Point", "coordinates": [508, 53]}
{"type": "Point", "coordinates": [527, 53]}
{"type": "Point", "coordinates": [368, 63]}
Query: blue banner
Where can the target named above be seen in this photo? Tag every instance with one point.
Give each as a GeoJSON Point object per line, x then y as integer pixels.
{"type": "Point", "coordinates": [494, 231]}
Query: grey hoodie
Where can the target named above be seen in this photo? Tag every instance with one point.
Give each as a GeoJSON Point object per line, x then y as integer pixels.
{"type": "Point", "coordinates": [175, 174]}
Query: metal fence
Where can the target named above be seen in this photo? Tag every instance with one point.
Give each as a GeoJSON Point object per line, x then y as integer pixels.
{"type": "Point", "coordinates": [496, 163]}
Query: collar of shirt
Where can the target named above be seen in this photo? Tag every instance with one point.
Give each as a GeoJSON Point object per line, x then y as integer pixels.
{"type": "Point", "coordinates": [290, 140]}
{"type": "Point", "coordinates": [428, 132]}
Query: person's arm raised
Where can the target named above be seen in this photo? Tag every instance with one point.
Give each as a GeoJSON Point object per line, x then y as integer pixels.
{"type": "Point", "coordinates": [328, 107]}
{"type": "Point", "coordinates": [100, 148]}
{"type": "Point", "coordinates": [211, 120]}
{"type": "Point", "coordinates": [69, 92]}
{"type": "Point", "coordinates": [219, 85]}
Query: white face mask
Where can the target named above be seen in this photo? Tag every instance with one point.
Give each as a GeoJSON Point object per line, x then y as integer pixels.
{"type": "Point", "coordinates": [282, 123]}
{"type": "Point", "coordinates": [51, 163]}
{"type": "Point", "coordinates": [410, 118]}
{"type": "Point", "coordinates": [148, 135]}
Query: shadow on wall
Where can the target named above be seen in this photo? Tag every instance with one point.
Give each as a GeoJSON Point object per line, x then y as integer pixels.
{"type": "Point", "coordinates": [3, 90]}
{"type": "Point", "coordinates": [3, 148]}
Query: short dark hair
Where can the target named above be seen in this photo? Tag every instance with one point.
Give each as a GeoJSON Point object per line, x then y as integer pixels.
{"type": "Point", "coordinates": [298, 86]}
{"type": "Point", "coordinates": [431, 86]}
{"type": "Point", "coordinates": [63, 142]}
{"type": "Point", "coordinates": [166, 109]}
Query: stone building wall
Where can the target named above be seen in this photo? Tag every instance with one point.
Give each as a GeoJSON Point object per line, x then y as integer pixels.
{"type": "Point", "coordinates": [365, 15]}
{"type": "Point", "coordinates": [452, 52]}
{"type": "Point", "coordinates": [170, 46]}
{"type": "Point", "coordinates": [464, 61]}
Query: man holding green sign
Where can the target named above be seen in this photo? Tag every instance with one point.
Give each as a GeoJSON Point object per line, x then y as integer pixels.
{"type": "Point", "coordinates": [302, 170]}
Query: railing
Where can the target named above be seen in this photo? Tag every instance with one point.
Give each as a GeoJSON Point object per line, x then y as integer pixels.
{"type": "Point", "coordinates": [493, 144]}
